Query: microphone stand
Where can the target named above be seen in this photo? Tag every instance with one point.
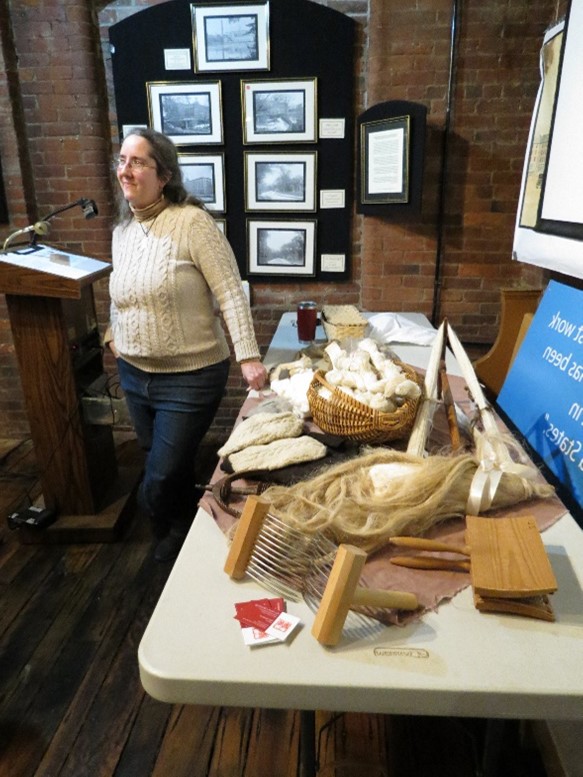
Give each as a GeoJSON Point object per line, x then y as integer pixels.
{"type": "Point", "coordinates": [42, 227]}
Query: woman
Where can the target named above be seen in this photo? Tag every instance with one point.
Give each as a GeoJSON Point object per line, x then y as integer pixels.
{"type": "Point", "coordinates": [170, 264]}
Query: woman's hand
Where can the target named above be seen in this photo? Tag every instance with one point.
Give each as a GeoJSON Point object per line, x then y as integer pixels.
{"type": "Point", "coordinates": [254, 374]}
{"type": "Point", "coordinates": [113, 349]}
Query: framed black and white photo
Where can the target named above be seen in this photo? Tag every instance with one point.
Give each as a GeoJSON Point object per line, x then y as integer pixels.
{"type": "Point", "coordinates": [384, 162]}
{"type": "Point", "coordinates": [279, 111]}
{"type": "Point", "coordinates": [280, 182]}
{"type": "Point", "coordinates": [222, 225]}
{"type": "Point", "coordinates": [187, 112]}
{"type": "Point", "coordinates": [204, 177]}
{"type": "Point", "coordinates": [284, 248]}
{"type": "Point", "coordinates": [230, 36]}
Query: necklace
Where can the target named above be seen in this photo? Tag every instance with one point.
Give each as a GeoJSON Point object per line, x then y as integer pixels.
{"type": "Point", "coordinates": [147, 230]}
{"type": "Point", "coordinates": [152, 211]}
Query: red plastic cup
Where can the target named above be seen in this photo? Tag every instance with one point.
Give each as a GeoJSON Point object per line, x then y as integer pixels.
{"type": "Point", "coordinates": [307, 318]}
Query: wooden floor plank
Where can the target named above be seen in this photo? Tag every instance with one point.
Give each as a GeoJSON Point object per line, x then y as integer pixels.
{"type": "Point", "coordinates": [20, 577]}
{"type": "Point", "coordinates": [351, 743]}
{"type": "Point", "coordinates": [49, 621]}
{"type": "Point", "coordinates": [100, 715]}
{"type": "Point", "coordinates": [273, 744]}
{"type": "Point", "coordinates": [27, 612]}
{"type": "Point", "coordinates": [232, 742]}
{"type": "Point", "coordinates": [143, 743]}
{"type": "Point", "coordinates": [188, 744]}
{"type": "Point", "coordinates": [63, 659]}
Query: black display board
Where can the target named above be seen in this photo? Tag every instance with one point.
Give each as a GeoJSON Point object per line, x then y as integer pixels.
{"type": "Point", "coordinates": [384, 114]}
{"type": "Point", "coordinates": [306, 40]}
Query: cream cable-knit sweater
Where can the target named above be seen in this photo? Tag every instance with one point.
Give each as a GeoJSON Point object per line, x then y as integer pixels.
{"type": "Point", "coordinates": [168, 264]}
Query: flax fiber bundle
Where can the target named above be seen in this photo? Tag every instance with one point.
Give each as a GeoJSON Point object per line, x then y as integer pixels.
{"type": "Point", "coordinates": [384, 492]}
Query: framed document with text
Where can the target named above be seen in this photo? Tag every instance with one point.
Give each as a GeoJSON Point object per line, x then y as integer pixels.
{"type": "Point", "coordinates": [384, 164]}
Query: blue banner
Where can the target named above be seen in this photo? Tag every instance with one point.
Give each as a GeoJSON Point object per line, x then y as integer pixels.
{"type": "Point", "coordinates": [543, 391]}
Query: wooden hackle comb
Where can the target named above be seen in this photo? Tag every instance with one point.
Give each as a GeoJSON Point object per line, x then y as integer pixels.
{"type": "Point", "coordinates": [273, 553]}
{"type": "Point", "coordinates": [342, 593]}
{"type": "Point", "coordinates": [295, 564]}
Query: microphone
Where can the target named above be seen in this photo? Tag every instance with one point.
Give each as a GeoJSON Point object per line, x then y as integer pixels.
{"type": "Point", "coordinates": [89, 208]}
{"type": "Point", "coordinates": [42, 227]}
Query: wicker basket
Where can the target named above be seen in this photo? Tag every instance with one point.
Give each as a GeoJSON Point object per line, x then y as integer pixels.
{"type": "Point", "coordinates": [341, 331]}
{"type": "Point", "coordinates": [344, 416]}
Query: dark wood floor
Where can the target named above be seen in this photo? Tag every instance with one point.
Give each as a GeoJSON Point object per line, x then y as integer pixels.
{"type": "Point", "coordinates": [71, 702]}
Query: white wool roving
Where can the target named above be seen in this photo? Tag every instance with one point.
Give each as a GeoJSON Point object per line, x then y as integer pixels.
{"type": "Point", "coordinates": [295, 390]}
{"type": "Point", "coordinates": [369, 377]}
{"type": "Point", "coordinates": [262, 428]}
{"type": "Point", "coordinates": [372, 497]}
{"type": "Point", "coordinates": [277, 454]}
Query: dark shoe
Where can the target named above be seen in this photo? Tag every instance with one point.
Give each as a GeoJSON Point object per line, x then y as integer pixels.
{"type": "Point", "coordinates": [168, 548]}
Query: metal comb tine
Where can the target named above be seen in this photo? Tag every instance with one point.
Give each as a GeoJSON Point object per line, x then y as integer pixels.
{"type": "Point", "coordinates": [268, 572]}
{"type": "Point", "coordinates": [288, 568]}
{"type": "Point", "coordinates": [284, 551]}
{"type": "Point", "coordinates": [277, 521]}
{"type": "Point", "coordinates": [273, 587]}
{"type": "Point", "coordinates": [280, 529]}
{"type": "Point", "coordinates": [273, 583]}
{"type": "Point", "coordinates": [268, 546]}
{"type": "Point", "coordinates": [292, 543]}
{"type": "Point", "coordinates": [290, 550]}
{"type": "Point", "coordinates": [275, 537]}
{"type": "Point", "coordinates": [286, 565]}
{"type": "Point", "coordinates": [266, 564]}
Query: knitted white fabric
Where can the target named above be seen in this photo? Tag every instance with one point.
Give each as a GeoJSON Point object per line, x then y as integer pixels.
{"type": "Point", "coordinates": [168, 270]}
{"type": "Point", "coordinates": [260, 429]}
{"type": "Point", "coordinates": [277, 454]}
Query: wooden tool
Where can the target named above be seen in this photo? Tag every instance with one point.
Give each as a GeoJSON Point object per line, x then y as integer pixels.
{"type": "Point", "coordinates": [295, 564]}
{"type": "Point", "coordinates": [342, 592]}
{"type": "Point", "coordinates": [431, 562]}
{"type": "Point", "coordinates": [511, 571]}
{"type": "Point", "coordinates": [444, 392]}
{"type": "Point", "coordinates": [272, 552]}
{"type": "Point", "coordinates": [223, 489]}
{"type": "Point", "coordinates": [508, 563]}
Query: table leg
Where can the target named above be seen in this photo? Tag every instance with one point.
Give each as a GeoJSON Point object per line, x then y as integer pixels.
{"type": "Point", "coordinates": [493, 737]}
{"type": "Point", "coordinates": [308, 767]}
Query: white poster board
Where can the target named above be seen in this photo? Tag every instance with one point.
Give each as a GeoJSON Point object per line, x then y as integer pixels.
{"type": "Point", "coordinates": [546, 156]}
{"type": "Point", "coordinates": [562, 196]}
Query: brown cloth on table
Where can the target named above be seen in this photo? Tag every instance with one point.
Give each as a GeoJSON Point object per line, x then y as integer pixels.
{"type": "Point", "coordinates": [430, 587]}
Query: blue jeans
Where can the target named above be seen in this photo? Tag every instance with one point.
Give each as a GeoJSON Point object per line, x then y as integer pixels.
{"type": "Point", "coordinates": [171, 413]}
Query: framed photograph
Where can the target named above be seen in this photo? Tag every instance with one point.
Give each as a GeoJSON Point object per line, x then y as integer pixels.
{"type": "Point", "coordinates": [279, 111]}
{"type": "Point", "coordinates": [187, 112]}
{"type": "Point", "coordinates": [204, 178]}
{"type": "Point", "coordinates": [230, 36]}
{"type": "Point", "coordinates": [384, 162]}
{"type": "Point", "coordinates": [284, 248]}
{"type": "Point", "coordinates": [222, 225]}
{"type": "Point", "coordinates": [281, 182]}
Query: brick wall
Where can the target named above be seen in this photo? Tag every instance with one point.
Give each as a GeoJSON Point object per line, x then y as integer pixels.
{"type": "Point", "coordinates": [56, 134]}
{"type": "Point", "coordinates": [453, 260]}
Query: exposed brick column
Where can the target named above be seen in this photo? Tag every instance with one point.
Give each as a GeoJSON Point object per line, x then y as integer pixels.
{"type": "Point", "coordinates": [63, 94]}
{"type": "Point", "coordinates": [17, 178]}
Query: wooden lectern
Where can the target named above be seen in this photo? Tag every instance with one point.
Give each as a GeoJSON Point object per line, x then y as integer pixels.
{"type": "Point", "coordinates": [46, 291]}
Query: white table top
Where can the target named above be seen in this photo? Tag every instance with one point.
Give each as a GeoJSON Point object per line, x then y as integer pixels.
{"type": "Point", "coordinates": [455, 661]}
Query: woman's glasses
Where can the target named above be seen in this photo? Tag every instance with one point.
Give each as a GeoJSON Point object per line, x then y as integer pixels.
{"type": "Point", "coordinates": [135, 164]}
